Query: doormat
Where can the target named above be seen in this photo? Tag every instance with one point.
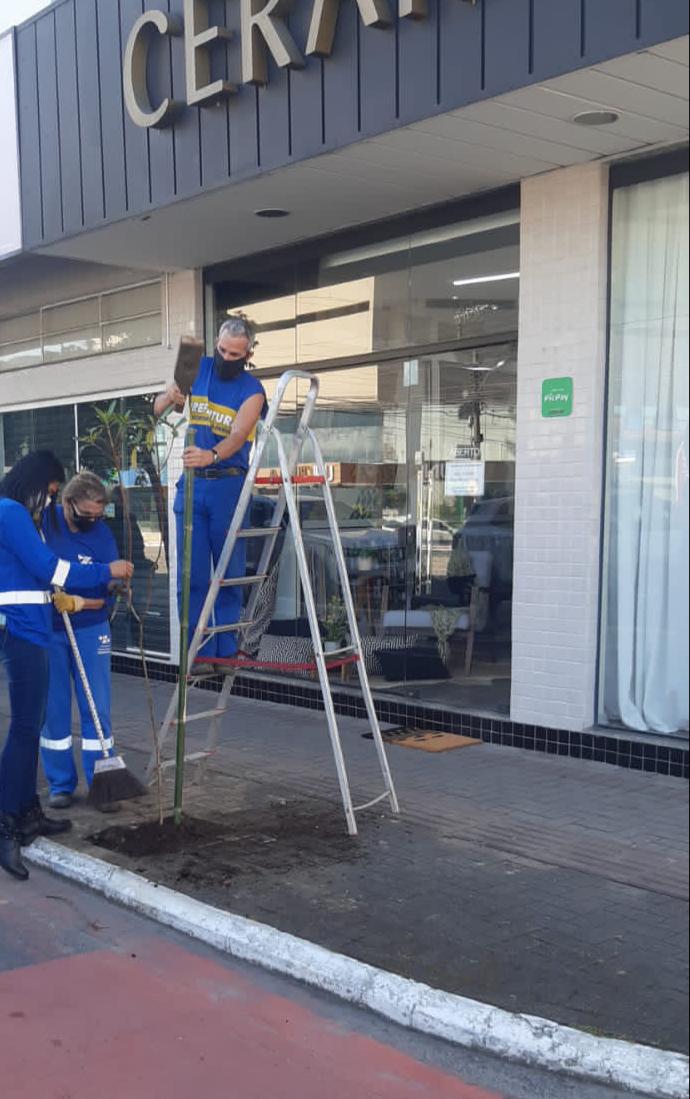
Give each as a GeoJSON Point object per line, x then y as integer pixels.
{"type": "Point", "coordinates": [426, 740]}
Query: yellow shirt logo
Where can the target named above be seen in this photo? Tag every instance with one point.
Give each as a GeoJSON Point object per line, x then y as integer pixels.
{"type": "Point", "coordinates": [219, 418]}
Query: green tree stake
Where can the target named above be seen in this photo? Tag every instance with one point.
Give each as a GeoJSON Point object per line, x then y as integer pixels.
{"type": "Point", "coordinates": [184, 634]}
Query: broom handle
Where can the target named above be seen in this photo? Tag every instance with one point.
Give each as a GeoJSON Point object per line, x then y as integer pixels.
{"type": "Point", "coordinates": [85, 683]}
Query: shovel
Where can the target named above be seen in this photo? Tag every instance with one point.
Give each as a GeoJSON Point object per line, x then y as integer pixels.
{"type": "Point", "coordinates": [187, 365]}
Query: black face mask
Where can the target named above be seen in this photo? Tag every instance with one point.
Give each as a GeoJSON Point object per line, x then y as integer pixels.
{"type": "Point", "coordinates": [227, 370]}
{"type": "Point", "coordinates": [84, 523]}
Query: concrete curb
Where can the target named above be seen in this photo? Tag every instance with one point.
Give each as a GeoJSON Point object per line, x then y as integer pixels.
{"type": "Point", "coordinates": [469, 1023]}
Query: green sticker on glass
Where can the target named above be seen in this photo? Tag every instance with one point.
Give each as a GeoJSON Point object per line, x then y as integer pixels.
{"type": "Point", "coordinates": [557, 397]}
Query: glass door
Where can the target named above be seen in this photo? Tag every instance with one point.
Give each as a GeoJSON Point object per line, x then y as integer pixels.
{"type": "Point", "coordinates": [461, 459]}
{"type": "Point", "coordinates": [421, 461]}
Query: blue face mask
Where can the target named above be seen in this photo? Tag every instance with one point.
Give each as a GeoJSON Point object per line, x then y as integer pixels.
{"type": "Point", "coordinates": [226, 369]}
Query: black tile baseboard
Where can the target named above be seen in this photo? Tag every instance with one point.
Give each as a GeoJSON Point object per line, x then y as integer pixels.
{"type": "Point", "coordinates": [619, 751]}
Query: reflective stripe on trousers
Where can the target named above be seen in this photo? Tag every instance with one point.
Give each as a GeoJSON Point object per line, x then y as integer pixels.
{"type": "Point", "coordinates": [57, 750]}
{"type": "Point", "coordinates": [57, 745]}
{"type": "Point", "coordinates": [65, 744]}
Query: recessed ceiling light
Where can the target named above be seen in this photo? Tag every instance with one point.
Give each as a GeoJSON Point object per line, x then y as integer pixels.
{"type": "Point", "coordinates": [486, 278]}
{"type": "Point", "coordinates": [479, 368]}
{"type": "Point", "coordinates": [595, 118]}
{"type": "Point", "coordinates": [272, 212]}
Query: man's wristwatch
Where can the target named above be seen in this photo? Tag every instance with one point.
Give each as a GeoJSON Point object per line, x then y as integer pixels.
{"type": "Point", "coordinates": [216, 456]}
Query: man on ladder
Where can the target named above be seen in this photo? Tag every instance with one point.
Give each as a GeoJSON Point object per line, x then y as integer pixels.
{"type": "Point", "coordinates": [286, 505]}
{"type": "Point", "coordinates": [226, 403]}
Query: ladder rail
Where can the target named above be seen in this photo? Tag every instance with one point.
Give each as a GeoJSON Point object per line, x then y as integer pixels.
{"type": "Point", "coordinates": [286, 503]}
{"type": "Point", "coordinates": [355, 636]}
{"type": "Point", "coordinates": [312, 615]}
{"type": "Point", "coordinates": [265, 432]}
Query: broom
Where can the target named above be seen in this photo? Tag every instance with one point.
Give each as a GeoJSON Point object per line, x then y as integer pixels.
{"type": "Point", "coordinates": [112, 780]}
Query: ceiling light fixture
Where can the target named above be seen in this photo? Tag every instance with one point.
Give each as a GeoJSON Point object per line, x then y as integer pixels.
{"type": "Point", "coordinates": [478, 368]}
{"type": "Point", "coordinates": [595, 118]}
{"type": "Point", "coordinates": [487, 278]}
{"type": "Point", "coordinates": [271, 212]}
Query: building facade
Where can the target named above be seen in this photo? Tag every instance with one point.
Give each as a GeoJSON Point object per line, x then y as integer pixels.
{"type": "Point", "coordinates": [470, 221]}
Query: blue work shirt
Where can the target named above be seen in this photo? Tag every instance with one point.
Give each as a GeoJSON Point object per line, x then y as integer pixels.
{"type": "Point", "coordinates": [28, 568]}
{"type": "Point", "coordinates": [85, 547]}
{"type": "Point", "coordinates": [214, 405]}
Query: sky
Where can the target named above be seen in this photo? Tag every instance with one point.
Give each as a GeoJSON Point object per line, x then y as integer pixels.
{"type": "Point", "coordinates": [16, 11]}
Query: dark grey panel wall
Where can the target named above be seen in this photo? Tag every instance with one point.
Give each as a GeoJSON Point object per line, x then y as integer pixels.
{"type": "Point", "coordinates": [84, 163]}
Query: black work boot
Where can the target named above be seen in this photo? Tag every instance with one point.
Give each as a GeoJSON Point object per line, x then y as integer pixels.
{"type": "Point", "coordinates": [10, 848]}
{"type": "Point", "coordinates": [33, 822]}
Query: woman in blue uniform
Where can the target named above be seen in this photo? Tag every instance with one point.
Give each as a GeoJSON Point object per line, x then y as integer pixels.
{"type": "Point", "coordinates": [78, 534]}
{"type": "Point", "coordinates": [28, 569]}
{"type": "Point", "coordinates": [226, 403]}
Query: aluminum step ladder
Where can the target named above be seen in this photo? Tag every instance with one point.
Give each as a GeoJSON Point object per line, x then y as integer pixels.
{"type": "Point", "coordinates": [288, 461]}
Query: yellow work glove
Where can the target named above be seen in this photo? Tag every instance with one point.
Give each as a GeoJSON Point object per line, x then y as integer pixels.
{"type": "Point", "coordinates": [70, 603]}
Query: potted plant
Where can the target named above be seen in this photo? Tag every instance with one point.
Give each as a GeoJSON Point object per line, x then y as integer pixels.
{"type": "Point", "coordinates": [335, 625]}
{"type": "Point", "coordinates": [460, 574]}
{"type": "Point", "coordinates": [366, 558]}
{"type": "Point", "coordinates": [444, 620]}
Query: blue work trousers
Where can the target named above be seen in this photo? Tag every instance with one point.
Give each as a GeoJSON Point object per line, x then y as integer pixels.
{"type": "Point", "coordinates": [214, 506]}
{"type": "Point", "coordinates": [27, 668]}
{"type": "Point", "coordinates": [57, 750]}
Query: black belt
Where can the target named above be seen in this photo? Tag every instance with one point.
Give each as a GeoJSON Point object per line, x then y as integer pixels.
{"type": "Point", "coordinates": [215, 474]}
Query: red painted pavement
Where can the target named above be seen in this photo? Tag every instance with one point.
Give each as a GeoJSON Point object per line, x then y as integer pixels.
{"type": "Point", "coordinates": [156, 1021]}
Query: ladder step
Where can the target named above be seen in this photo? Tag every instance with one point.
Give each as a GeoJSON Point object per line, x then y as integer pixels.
{"type": "Point", "coordinates": [210, 630]}
{"type": "Point", "coordinates": [191, 758]}
{"type": "Point", "coordinates": [238, 581]}
{"type": "Point", "coordinates": [340, 652]}
{"type": "Point", "coordinates": [205, 713]}
{"type": "Point", "coordinates": [368, 804]}
{"type": "Point", "coordinates": [315, 479]}
{"type": "Point", "coordinates": [257, 532]}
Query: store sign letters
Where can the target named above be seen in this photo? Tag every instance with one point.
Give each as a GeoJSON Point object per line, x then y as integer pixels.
{"type": "Point", "coordinates": [263, 31]}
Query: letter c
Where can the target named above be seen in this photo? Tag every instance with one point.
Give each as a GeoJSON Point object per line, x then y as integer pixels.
{"type": "Point", "coordinates": [134, 70]}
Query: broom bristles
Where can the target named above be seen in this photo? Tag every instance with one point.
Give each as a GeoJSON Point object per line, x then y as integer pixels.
{"type": "Point", "coordinates": [113, 781]}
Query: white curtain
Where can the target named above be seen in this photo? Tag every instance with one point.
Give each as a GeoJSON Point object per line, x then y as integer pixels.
{"type": "Point", "coordinates": [645, 612]}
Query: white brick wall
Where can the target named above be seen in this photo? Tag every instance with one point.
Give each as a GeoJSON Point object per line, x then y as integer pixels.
{"type": "Point", "coordinates": [563, 290]}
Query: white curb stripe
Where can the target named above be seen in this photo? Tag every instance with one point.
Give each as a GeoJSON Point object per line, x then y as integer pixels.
{"type": "Point", "coordinates": [456, 1019]}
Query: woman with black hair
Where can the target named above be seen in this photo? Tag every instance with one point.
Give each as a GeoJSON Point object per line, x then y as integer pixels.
{"type": "Point", "coordinates": [28, 568]}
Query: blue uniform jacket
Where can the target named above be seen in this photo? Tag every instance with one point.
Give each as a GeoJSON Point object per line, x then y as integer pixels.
{"type": "Point", "coordinates": [28, 568]}
{"type": "Point", "coordinates": [85, 547]}
{"type": "Point", "coordinates": [214, 404]}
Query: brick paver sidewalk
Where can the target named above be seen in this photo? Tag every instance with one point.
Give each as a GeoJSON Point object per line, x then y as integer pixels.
{"type": "Point", "coordinates": [545, 885]}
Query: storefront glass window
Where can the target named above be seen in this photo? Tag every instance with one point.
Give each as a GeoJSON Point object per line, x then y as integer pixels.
{"type": "Point", "coordinates": [20, 341]}
{"type": "Point", "coordinates": [644, 681]}
{"type": "Point", "coordinates": [38, 429]}
{"type": "Point", "coordinates": [421, 459]}
{"type": "Point", "coordinates": [420, 446]}
{"type": "Point", "coordinates": [459, 282]}
{"type": "Point", "coordinates": [113, 438]}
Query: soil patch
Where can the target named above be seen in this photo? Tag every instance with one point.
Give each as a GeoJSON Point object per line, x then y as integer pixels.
{"type": "Point", "coordinates": [246, 843]}
{"type": "Point", "coordinates": [152, 838]}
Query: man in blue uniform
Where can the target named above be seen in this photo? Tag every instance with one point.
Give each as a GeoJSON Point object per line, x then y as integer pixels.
{"type": "Point", "coordinates": [226, 403]}
{"type": "Point", "coordinates": [78, 533]}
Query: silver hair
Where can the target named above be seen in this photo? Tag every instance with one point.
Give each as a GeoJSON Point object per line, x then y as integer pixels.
{"type": "Point", "coordinates": [237, 326]}
{"type": "Point", "coordinates": [85, 486]}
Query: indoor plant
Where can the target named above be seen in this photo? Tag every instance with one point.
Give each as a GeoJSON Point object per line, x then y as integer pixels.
{"type": "Point", "coordinates": [335, 624]}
